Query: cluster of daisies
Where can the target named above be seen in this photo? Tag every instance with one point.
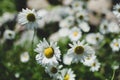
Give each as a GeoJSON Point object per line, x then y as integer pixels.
{"type": "Point", "coordinates": [50, 56]}
{"type": "Point", "coordinates": [73, 22]}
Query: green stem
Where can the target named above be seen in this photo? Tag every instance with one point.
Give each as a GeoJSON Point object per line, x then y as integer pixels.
{"type": "Point", "coordinates": [32, 46]}
{"type": "Point", "coordinates": [113, 75]}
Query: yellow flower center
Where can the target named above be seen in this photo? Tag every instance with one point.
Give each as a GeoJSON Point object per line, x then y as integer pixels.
{"type": "Point", "coordinates": [79, 50]}
{"type": "Point", "coordinates": [116, 44]}
{"type": "Point", "coordinates": [53, 70]}
{"type": "Point", "coordinates": [66, 77]}
{"type": "Point", "coordinates": [75, 33]}
{"type": "Point", "coordinates": [49, 52]}
{"type": "Point", "coordinates": [31, 17]}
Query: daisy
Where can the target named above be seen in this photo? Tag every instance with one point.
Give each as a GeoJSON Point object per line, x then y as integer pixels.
{"type": "Point", "coordinates": [104, 27]}
{"type": "Point", "coordinates": [49, 54]}
{"type": "Point", "coordinates": [79, 51]}
{"type": "Point", "coordinates": [67, 22]}
{"type": "Point", "coordinates": [95, 66]}
{"type": "Point", "coordinates": [94, 38]}
{"type": "Point", "coordinates": [24, 57]}
{"type": "Point", "coordinates": [29, 18]}
{"type": "Point", "coordinates": [116, 10]}
{"type": "Point", "coordinates": [75, 34]}
{"type": "Point", "coordinates": [53, 71]}
{"type": "Point", "coordinates": [114, 27]}
{"type": "Point", "coordinates": [9, 34]}
{"type": "Point", "coordinates": [115, 45]}
{"type": "Point", "coordinates": [67, 60]}
{"type": "Point", "coordinates": [63, 32]}
{"type": "Point", "coordinates": [89, 60]}
{"type": "Point", "coordinates": [77, 5]}
{"type": "Point", "coordinates": [67, 74]}
{"type": "Point", "coordinates": [81, 16]}
{"type": "Point", "coordinates": [84, 26]}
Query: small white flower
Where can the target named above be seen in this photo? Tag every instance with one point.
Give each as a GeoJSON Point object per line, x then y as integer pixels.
{"type": "Point", "coordinates": [115, 67]}
{"type": "Point", "coordinates": [115, 45]}
{"type": "Point", "coordinates": [24, 57]}
{"type": "Point", "coordinates": [67, 59]}
{"type": "Point", "coordinates": [29, 18]}
{"type": "Point", "coordinates": [49, 54]}
{"type": "Point", "coordinates": [89, 60]}
{"type": "Point", "coordinates": [114, 27]}
{"type": "Point", "coordinates": [67, 74]}
{"type": "Point", "coordinates": [63, 32]}
{"type": "Point", "coordinates": [79, 51]}
{"type": "Point", "coordinates": [9, 34]}
{"type": "Point", "coordinates": [104, 27]}
{"type": "Point", "coordinates": [94, 38]}
{"type": "Point", "coordinates": [67, 22]}
{"type": "Point", "coordinates": [84, 26]}
{"type": "Point", "coordinates": [81, 16]}
{"type": "Point", "coordinates": [53, 71]}
{"type": "Point", "coordinates": [75, 34]}
{"type": "Point", "coordinates": [17, 75]}
{"type": "Point", "coordinates": [95, 66]}
{"type": "Point", "coordinates": [77, 5]}
{"type": "Point", "coordinates": [116, 10]}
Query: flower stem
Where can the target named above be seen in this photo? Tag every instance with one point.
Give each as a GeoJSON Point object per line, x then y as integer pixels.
{"type": "Point", "coordinates": [113, 75]}
{"type": "Point", "coordinates": [32, 45]}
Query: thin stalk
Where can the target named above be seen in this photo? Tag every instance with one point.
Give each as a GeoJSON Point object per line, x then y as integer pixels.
{"type": "Point", "coordinates": [113, 75]}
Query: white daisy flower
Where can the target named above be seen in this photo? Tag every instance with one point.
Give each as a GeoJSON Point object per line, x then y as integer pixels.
{"type": "Point", "coordinates": [77, 5]}
{"type": "Point", "coordinates": [95, 66]}
{"type": "Point", "coordinates": [114, 27]}
{"type": "Point", "coordinates": [116, 10]}
{"type": "Point", "coordinates": [115, 45]}
{"type": "Point", "coordinates": [53, 71]}
{"type": "Point", "coordinates": [24, 57]}
{"type": "Point", "coordinates": [104, 27]}
{"type": "Point", "coordinates": [79, 51]}
{"type": "Point", "coordinates": [94, 38]}
{"type": "Point", "coordinates": [89, 60]}
{"type": "Point", "coordinates": [49, 54]}
{"type": "Point", "coordinates": [29, 18]}
{"type": "Point", "coordinates": [9, 34]}
{"type": "Point", "coordinates": [63, 32]}
{"type": "Point", "coordinates": [67, 59]}
{"type": "Point", "coordinates": [67, 74]}
{"type": "Point", "coordinates": [67, 22]}
{"type": "Point", "coordinates": [75, 34]}
{"type": "Point", "coordinates": [84, 26]}
{"type": "Point", "coordinates": [81, 16]}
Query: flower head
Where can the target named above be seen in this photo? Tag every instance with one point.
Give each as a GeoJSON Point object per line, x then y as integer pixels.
{"type": "Point", "coordinates": [28, 18]}
{"type": "Point", "coordinates": [95, 65]}
{"type": "Point", "coordinates": [75, 34]}
{"type": "Point", "coordinates": [53, 71]}
{"type": "Point", "coordinates": [79, 51]}
{"type": "Point", "coordinates": [67, 74]}
{"type": "Point", "coordinates": [115, 45]}
{"type": "Point", "coordinates": [49, 54]}
{"type": "Point", "coordinates": [24, 57]}
{"type": "Point", "coordinates": [9, 34]}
